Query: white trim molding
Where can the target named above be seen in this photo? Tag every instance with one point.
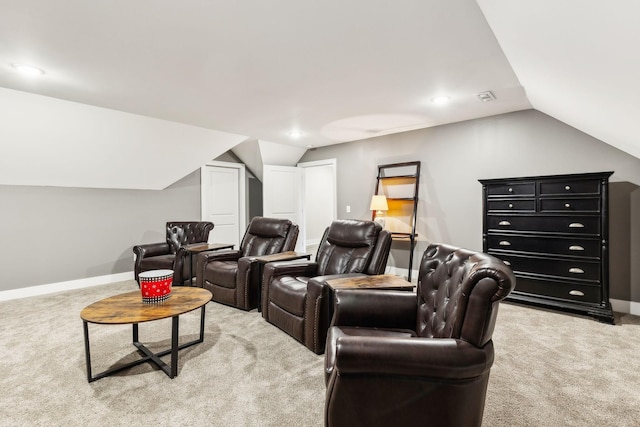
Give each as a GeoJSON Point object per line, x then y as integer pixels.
{"type": "Point", "coordinates": [628, 307]}
{"type": "Point", "coordinates": [64, 286]}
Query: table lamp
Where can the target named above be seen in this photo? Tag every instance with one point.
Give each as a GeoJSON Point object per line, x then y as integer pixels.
{"type": "Point", "coordinates": [379, 204]}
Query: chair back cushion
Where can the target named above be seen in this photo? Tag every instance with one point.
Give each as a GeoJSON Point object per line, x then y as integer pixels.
{"type": "Point", "coordinates": [349, 246]}
{"type": "Point", "coordinates": [185, 233]}
{"type": "Point", "coordinates": [266, 236]}
{"type": "Point", "coordinates": [458, 293]}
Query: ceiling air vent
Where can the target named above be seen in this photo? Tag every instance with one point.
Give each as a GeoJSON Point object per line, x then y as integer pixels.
{"type": "Point", "coordinates": [486, 96]}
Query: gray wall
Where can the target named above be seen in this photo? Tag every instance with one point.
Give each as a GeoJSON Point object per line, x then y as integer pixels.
{"type": "Point", "coordinates": [455, 156]}
{"type": "Point", "coordinates": [58, 234]}
{"type": "Point", "coordinates": [54, 234]}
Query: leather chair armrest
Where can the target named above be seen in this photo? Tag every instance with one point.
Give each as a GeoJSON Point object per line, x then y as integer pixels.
{"type": "Point", "coordinates": [318, 310]}
{"type": "Point", "coordinates": [223, 255]}
{"type": "Point", "coordinates": [289, 268]}
{"type": "Point", "coordinates": [151, 249]}
{"type": "Point", "coordinates": [285, 268]}
{"type": "Point", "coordinates": [444, 358]}
{"type": "Point", "coordinates": [206, 257]}
{"type": "Point", "coordinates": [148, 250]}
{"type": "Point", "coordinates": [375, 308]}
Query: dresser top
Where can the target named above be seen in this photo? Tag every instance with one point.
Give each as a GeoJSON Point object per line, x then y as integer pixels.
{"type": "Point", "coordinates": [574, 176]}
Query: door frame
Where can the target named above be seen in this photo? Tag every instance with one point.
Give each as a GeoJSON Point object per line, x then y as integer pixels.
{"type": "Point", "coordinates": [242, 193]}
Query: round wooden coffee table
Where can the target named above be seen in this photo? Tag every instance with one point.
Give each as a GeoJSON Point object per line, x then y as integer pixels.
{"type": "Point", "coordinates": [129, 309]}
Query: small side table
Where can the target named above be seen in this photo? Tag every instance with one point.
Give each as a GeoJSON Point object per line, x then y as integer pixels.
{"type": "Point", "coordinates": [282, 256]}
{"type": "Point", "coordinates": [196, 248]}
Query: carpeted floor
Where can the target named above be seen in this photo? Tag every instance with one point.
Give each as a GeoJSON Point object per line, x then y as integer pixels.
{"type": "Point", "coordinates": [551, 369]}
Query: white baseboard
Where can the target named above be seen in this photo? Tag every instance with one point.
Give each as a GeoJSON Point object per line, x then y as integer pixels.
{"type": "Point", "coordinates": [629, 307]}
{"type": "Point", "coordinates": [64, 286]}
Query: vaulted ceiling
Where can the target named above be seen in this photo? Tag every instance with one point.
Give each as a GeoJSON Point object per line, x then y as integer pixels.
{"type": "Point", "coordinates": [218, 73]}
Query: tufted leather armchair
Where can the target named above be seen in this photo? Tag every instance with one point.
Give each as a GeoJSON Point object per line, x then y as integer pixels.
{"type": "Point", "coordinates": [171, 254]}
{"type": "Point", "coordinates": [414, 359]}
{"type": "Point", "coordinates": [294, 293]}
{"type": "Point", "coordinates": [233, 276]}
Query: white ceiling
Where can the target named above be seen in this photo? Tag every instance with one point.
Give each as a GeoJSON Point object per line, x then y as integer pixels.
{"type": "Point", "coordinates": [336, 70]}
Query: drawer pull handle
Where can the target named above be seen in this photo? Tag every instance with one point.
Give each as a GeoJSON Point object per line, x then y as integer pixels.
{"type": "Point", "coordinates": [504, 223]}
{"type": "Point", "coordinates": [504, 243]}
{"type": "Point", "coordinates": [510, 205]}
{"type": "Point", "coordinates": [576, 293]}
{"type": "Point", "coordinates": [576, 270]}
{"type": "Point", "coordinates": [510, 190]}
{"type": "Point", "coordinates": [566, 187]}
{"type": "Point", "coordinates": [576, 225]}
{"type": "Point", "coordinates": [576, 248]}
{"type": "Point", "coordinates": [567, 205]}
{"type": "Point", "coordinates": [506, 262]}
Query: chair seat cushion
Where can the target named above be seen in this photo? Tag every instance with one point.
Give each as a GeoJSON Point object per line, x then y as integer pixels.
{"type": "Point", "coordinates": [288, 293]}
{"type": "Point", "coordinates": [159, 262]}
{"type": "Point", "coordinates": [222, 273]}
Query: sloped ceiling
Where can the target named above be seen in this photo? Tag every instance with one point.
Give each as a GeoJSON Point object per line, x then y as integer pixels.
{"type": "Point", "coordinates": [577, 60]}
{"type": "Point", "coordinates": [334, 70]}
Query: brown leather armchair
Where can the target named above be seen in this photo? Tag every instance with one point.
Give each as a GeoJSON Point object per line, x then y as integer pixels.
{"type": "Point", "coordinates": [233, 276]}
{"type": "Point", "coordinates": [171, 254]}
{"type": "Point", "coordinates": [415, 359]}
{"type": "Point", "coordinates": [294, 293]}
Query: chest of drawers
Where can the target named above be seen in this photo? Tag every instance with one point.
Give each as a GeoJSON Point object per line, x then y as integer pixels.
{"type": "Point", "coordinates": [554, 233]}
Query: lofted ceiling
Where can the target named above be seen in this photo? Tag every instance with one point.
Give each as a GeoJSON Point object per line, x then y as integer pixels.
{"type": "Point", "coordinates": [333, 70]}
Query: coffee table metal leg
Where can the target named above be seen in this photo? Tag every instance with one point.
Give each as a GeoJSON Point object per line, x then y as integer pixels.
{"type": "Point", "coordinates": [202, 324]}
{"type": "Point", "coordinates": [87, 350]}
{"type": "Point", "coordinates": [174, 347]}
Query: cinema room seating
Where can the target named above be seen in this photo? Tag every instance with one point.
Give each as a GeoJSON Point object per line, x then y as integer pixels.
{"type": "Point", "coordinates": [414, 359]}
{"type": "Point", "coordinates": [171, 254]}
{"type": "Point", "coordinates": [232, 276]}
{"type": "Point", "coordinates": [294, 293]}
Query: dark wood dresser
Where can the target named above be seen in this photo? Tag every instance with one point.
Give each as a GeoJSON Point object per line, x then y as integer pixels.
{"type": "Point", "coordinates": [554, 233]}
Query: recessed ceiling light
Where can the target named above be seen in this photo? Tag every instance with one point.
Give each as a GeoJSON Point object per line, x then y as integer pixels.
{"type": "Point", "coordinates": [440, 100]}
{"type": "Point", "coordinates": [295, 134]}
{"type": "Point", "coordinates": [28, 70]}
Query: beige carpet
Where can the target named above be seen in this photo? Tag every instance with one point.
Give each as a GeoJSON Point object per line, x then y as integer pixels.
{"type": "Point", "coordinates": [551, 370]}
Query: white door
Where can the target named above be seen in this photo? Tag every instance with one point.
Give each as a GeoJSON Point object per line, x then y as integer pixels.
{"type": "Point", "coordinates": [320, 200]}
{"type": "Point", "coordinates": [282, 189]}
{"type": "Point", "coordinates": [223, 201]}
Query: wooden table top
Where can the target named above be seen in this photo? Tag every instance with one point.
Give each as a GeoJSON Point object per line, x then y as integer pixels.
{"type": "Point", "coordinates": [203, 247]}
{"type": "Point", "coordinates": [283, 256]}
{"type": "Point", "coordinates": [382, 281]}
{"type": "Point", "coordinates": [129, 308]}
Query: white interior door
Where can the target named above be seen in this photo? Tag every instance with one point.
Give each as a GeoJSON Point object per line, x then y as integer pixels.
{"type": "Point", "coordinates": [282, 189]}
{"type": "Point", "coordinates": [320, 205]}
{"type": "Point", "coordinates": [223, 201]}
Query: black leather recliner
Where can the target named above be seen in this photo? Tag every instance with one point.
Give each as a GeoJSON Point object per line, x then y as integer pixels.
{"type": "Point", "coordinates": [171, 254]}
{"type": "Point", "coordinates": [294, 294]}
{"type": "Point", "coordinates": [407, 359]}
{"type": "Point", "coordinates": [233, 276]}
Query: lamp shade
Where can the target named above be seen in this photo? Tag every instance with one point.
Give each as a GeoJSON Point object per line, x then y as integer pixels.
{"type": "Point", "coordinates": [379, 203]}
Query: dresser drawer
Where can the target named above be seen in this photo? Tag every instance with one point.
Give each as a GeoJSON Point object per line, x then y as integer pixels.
{"type": "Point", "coordinates": [577, 269]}
{"type": "Point", "coordinates": [578, 225]}
{"type": "Point", "coordinates": [589, 294]}
{"type": "Point", "coordinates": [511, 205]}
{"type": "Point", "coordinates": [570, 205]}
{"type": "Point", "coordinates": [570, 187]}
{"type": "Point", "coordinates": [514, 189]}
{"type": "Point", "coordinates": [573, 246]}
